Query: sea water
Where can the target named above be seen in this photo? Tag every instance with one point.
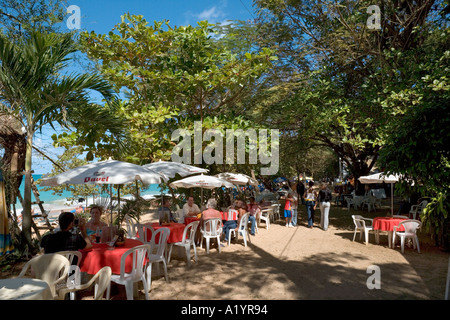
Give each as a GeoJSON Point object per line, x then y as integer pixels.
{"type": "Point", "coordinates": [52, 201]}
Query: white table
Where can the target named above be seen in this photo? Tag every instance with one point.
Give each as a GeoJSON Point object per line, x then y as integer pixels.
{"type": "Point", "coordinates": [24, 289]}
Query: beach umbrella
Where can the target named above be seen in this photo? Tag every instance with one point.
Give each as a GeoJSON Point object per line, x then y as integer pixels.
{"type": "Point", "coordinates": [201, 181]}
{"type": "Point", "coordinates": [6, 245]}
{"type": "Point", "coordinates": [107, 172]}
{"type": "Point", "coordinates": [238, 178]}
{"type": "Point", "coordinates": [380, 178]}
{"type": "Point", "coordinates": [170, 168]}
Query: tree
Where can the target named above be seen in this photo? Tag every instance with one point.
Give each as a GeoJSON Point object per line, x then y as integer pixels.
{"type": "Point", "coordinates": [336, 76]}
{"type": "Point", "coordinates": [19, 19]}
{"type": "Point", "coordinates": [173, 76]}
{"type": "Point", "coordinates": [34, 93]}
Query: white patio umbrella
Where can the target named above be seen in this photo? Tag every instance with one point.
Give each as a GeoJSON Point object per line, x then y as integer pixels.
{"type": "Point", "coordinates": [201, 181]}
{"type": "Point", "coordinates": [380, 178]}
{"type": "Point", "coordinates": [238, 178]}
{"type": "Point", "coordinates": [170, 168]}
{"type": "Point", "coordinates": [106, 172]}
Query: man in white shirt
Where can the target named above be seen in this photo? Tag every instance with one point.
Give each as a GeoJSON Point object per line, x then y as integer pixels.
{"type": "Point", "coordinates": [190, 209]}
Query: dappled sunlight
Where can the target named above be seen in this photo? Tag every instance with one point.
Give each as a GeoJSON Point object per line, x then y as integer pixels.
{"type": "Point", "coordinates": [263, 271]}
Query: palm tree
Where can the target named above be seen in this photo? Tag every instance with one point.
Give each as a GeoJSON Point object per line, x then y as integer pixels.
{"type": "Point", "coordinates": [34, 93]}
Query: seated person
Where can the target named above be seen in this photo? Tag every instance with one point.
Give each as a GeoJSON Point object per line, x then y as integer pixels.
{"type": "Point", "coordinates": [209, 213]}
{"type": "Point", "coordinates": [95, 223]}
{"type": "Point", "coordinates": [78, 210]}
{"type": "Point", "coordinates": [254, 210]}
{"type": "Point", "coordinates": [190, 209]}
{"type": "Point", "coordinates": [64, 239]}
{"type": "Point", "coordinates": [231, 219]}
{"type": "Point", "coordinates": [165, 214]}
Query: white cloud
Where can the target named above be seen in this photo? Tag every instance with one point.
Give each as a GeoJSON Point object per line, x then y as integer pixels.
{"type": "Point", "coordinates": [210, 14]}
{"type": "Point", "coordinates": [213, 14]}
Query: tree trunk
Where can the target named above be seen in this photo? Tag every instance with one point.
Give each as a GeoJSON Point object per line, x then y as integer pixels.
{"type": "Point", "coordinates": [26, 215]}
{"type": "Point", "coordinates": [13, 162]}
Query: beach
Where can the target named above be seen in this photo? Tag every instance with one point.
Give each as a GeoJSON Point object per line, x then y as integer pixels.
{"type": "Point", "coordinates": [304, 264]}
{"type": "Point", "coordinates": [299, 263]}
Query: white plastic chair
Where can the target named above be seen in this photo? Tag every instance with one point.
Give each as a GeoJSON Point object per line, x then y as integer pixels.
{"type": "Point", "coordinates": [242, 230]}
{"type": "Point", "coordinates": [416, 210]}
{"type": "Point", "coordinates": [142, 232]}
{"type": "Point", "coordinates": [265, 216]}
{"type": "Point", "coordinates": [102, 281]}
{"type": "Point", "coordinates": [132, 227]}
{"type": "Point", "coordinates": [350, 203]}
{"type": "Point", "coordinates": [212, 228]}
{"type": "Point", "coordinates": [379, 194]}
{"type": "Point", "coordinates": [360, 225]}
{"type": "Point", "coordinates": [187, 242]}
{"type": "Point", "coordinates": [157, 253]}
{"type": "Point", "coordinates": [276, 211]}
{"type": "Point", "coordinates": [370, 202]}
{"type": "Point", "coordinates": [411, 227]}
{"type": "Point", "coordinates": [71, 255]}
{"type": "Point", "coordinates": [138, 255]}
{"type": "Point", "coordinates": [50, 267]}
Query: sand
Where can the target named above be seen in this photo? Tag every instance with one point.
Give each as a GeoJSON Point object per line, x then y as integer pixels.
{"type": "Point", "coordinates": [300, 264]}
{"type": "Point", "coordinates": [303, 264]}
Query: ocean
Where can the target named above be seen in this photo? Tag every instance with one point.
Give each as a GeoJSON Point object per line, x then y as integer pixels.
{"type": "Point", "coordinates": [54, 202]}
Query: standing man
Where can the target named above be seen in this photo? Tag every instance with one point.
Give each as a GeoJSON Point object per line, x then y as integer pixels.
{"type": "Point", "coordinates": [301, 191]}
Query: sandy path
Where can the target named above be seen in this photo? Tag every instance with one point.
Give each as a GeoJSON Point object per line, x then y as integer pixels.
{"type": "Point", "coordinates": [301, 263]}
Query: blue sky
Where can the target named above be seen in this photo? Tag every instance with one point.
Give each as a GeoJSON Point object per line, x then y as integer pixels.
{"type": "Point", "coordinates": [102, 15]}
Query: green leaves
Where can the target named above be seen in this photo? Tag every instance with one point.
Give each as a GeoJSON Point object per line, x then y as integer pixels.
{"type": "Point", "coordinates": [172, 76]}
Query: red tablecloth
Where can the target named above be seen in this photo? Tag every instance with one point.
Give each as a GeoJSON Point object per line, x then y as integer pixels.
{"type": "Point", "coordinates": [100, 256]}
{"type": "Point", "coordinates": [387, 223]}
{"type": "Point", "coordinates": [176, 231]}
{"type": "Point", "coordinates": [188, 220]}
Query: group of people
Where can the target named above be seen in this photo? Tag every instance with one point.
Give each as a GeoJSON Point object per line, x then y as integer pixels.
{"type": "Point", "coordinates": [66, 239]}
{"type": "Point", "coordinates": [310, 198]}
{"type": "Point", "coordinates": [67, 236]}
{"type": "Point", "coordinates": [230, 219]}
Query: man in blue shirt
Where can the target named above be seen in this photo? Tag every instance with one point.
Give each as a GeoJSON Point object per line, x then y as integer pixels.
{"type": "Point", "coordinates": [165, 214]}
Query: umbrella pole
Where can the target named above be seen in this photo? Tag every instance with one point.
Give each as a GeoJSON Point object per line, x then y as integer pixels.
{"type": "Point", "coordinates": [118, 200]}
{"type": "Point", "coordinates": [392, 199]}
{"type": "Point", "coordinates": [111, 212]}
{"type": "Point", "coordinates": [201, 197]}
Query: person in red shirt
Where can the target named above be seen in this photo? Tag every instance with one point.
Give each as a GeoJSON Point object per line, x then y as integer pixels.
{"type": "Point", "coordinates": [254, 209]}
{"type": "Point", "coordinates": [288, 208]}
{"type": "Point", "coordinates": [209, 213]}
